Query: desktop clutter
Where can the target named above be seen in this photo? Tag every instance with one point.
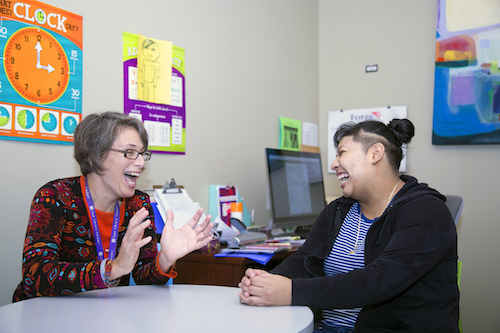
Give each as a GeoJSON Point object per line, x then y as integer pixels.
{"type": "Point", "coordinates": [230, 217]}
{"type": "Point", "coordinates": [232, 221]}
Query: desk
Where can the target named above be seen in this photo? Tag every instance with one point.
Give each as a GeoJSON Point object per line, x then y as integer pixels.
{"type": "Point", "coordinates": [173, 308]}
{"type": "Point", "coordinates": [204, 268]}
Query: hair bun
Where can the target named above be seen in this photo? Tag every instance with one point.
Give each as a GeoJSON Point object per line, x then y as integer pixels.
{"type": "Point", "coordinates": [403, 129]}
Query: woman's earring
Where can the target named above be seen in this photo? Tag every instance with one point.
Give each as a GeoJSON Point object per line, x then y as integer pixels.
{"type": "Point", "coordinates": [373, 162]}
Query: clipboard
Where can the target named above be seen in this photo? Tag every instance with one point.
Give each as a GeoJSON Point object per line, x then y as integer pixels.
{"type": "Point", "coordinates": [175, 198]}
{"type": "Point", "coordinates": [171, 187]}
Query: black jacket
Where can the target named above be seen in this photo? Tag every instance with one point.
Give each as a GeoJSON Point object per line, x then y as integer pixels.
{"type": "Point", "coordinates": [409, 283]}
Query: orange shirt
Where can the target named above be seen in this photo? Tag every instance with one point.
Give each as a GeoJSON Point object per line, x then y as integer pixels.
{"type": "Point", "coordinates": [104, 220]}
{"type": "Point", "coordinates": [105, 223]}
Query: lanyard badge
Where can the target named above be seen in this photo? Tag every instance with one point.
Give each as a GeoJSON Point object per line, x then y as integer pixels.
{"type": "Point", "coordinates": [97, 235]}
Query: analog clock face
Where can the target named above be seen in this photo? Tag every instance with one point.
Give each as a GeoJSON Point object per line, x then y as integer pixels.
{"type": "Point", "coordinates": [70, 125]}
{"type": "Point", "coordinates": [25, 119]}
{"type": "Point", "coordinates": [4, 116]}
{"type": "Point", "coordinates": [49, 122]}
{"type": "Point", "coordinates": [36, 65]}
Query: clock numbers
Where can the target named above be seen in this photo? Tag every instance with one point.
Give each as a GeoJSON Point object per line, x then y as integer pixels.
{"type": "Point", "coordinates": [37, 65]}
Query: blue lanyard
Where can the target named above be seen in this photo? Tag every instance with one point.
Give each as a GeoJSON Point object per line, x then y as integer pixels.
{"type": "Point", "coordinates": [97, 235]}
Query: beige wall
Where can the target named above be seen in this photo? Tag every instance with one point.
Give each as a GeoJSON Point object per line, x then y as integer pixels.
{"type": "Point", "coordinates": [249, 62]}
{"type": "Point", "coordinates": [399, 36]}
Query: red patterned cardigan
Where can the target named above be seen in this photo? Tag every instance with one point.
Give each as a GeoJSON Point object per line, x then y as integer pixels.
{"type": "Point", "coordinates": [60, 257]}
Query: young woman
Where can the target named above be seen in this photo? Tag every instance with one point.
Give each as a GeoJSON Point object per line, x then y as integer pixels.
{"type": "Point", "coordinates": [383, 257]}
{"type": "Point", "coordinates": [92, 231]}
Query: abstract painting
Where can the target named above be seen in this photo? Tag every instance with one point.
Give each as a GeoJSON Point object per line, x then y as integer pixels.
{"type": "Point", "coordinates": [467, 74]}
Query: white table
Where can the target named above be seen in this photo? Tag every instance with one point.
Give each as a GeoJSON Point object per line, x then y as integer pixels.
{"type": "Point", "coordinates": [171, 308]}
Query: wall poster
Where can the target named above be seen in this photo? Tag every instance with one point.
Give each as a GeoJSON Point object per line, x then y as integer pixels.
{"type": "Point", "coordinates": [467, 74]}
{"type": "Point", "coordinates": [41, 72]}
{"type": "Point", "coordinates": [290, 134]}
{"type": "Point", "coordinates": [163, 112]}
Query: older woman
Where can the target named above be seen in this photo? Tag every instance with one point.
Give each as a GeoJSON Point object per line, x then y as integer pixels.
{"type": "Point", "coordinates": [92, 231]}
{"type": "Point", "coordinates": [382, 258]}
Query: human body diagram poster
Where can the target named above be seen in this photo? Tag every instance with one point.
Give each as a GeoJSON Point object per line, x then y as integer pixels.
{"type": "Point", "coordinates": [154, 90]}
{"type": "Point", "coordinates": [41, 72]}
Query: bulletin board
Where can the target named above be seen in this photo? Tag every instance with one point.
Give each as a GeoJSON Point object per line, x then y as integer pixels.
{"type": "Point", "coordinates": [41, 74]}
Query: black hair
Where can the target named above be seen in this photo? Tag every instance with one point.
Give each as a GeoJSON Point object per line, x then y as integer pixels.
{"type": "Point", "coordinates": [393, 136]}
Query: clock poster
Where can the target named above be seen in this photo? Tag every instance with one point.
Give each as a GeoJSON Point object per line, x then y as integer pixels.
{"type": "Point", "coordinates": [41, 72]}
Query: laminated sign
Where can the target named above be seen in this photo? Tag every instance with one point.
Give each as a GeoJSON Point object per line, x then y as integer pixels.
{"type": "Point", "coordinates": [41, 76]}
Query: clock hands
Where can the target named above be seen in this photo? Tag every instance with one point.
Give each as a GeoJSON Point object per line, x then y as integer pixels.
{"type": "Point", "coordinates": [39, 49]}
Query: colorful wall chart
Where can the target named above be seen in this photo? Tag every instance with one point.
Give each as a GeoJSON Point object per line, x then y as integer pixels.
{"type": "Point", "coordinates": [41, 75]}
{"type": "Point", "coordinates": [467, 74]}
{"type": "Point", "coordinates": [165, 123]}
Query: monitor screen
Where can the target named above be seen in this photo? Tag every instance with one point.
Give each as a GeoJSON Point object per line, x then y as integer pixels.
{"type": "Point", "coordinates": [296, 187]}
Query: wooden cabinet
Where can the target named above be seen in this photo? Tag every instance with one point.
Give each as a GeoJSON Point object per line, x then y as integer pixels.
{"type": "Point", "coordinates": [203, 268]}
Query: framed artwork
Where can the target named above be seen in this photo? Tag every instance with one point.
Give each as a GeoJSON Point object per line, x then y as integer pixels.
{"type": "Point", "coordinates": [467, 74]}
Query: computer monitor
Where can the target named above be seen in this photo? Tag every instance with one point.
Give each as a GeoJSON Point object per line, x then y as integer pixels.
{"type": "Point", "coordinates": [296, 188]}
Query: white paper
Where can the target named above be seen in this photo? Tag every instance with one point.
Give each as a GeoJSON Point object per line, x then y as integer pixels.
{"type": "Point", "coordinates": [227, 232]}
{"type": "Point", "coordinates": [339, 117]}
{"type": "Point", "coordinates": [310, 134]}
{"type": "Point", "coordinates": [180, 204]}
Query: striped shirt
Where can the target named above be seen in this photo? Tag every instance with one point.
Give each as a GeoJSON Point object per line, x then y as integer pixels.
{"type": "Point", "coordinates": [348, 253]}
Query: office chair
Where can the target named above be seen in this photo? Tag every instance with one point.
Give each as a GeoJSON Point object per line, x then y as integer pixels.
{"type": "Point", "coordinates": [455, 204]}
{"type": "Point", "coordinates": [459, 273]}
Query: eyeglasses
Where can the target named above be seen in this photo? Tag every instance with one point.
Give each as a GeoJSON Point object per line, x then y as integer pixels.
{"type": "Point", "coordinates": [133, 154]}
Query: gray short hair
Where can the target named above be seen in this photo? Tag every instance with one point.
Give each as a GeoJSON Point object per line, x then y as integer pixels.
{"type": "Point", "coordinates": [95, 135]}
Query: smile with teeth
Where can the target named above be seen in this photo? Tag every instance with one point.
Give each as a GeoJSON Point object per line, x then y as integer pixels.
{"type": "Point", "coordinates": [133, 174]}
{"type": "Point", "coordinates": [131, 178]}
{"type": "Point", "coordinates": [343, 177]}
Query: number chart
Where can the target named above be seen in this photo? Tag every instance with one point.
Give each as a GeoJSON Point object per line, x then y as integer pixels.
{"type": "Point", "coordinates": [41, 72]}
